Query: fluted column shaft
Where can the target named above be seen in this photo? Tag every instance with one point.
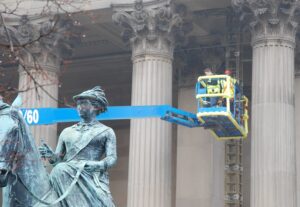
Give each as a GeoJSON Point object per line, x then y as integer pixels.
{"type": "Point", "coordinates": [45, 96]}
{"type": "Point", "coordinates": [297, 131]}
{"type": "Point", "coordinates": [150, 139]}
{"type": "Point", "coordinates": [273, 162]}
{"type": "Point", "coordinates": [40, 60]}
{"type": "Point", "coordinates": [151, 32]}
{"type": "Point", "coordinates": [273, 173]}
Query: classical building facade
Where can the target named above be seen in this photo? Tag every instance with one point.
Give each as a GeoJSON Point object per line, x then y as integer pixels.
{"type": "Point", "coordinates": [151, 53]}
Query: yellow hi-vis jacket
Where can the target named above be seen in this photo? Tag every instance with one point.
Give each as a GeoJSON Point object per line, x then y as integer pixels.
{"type": "Point", "coordinates": [213, 86]}
{"type": "Point", "coordinates": [230, 86]}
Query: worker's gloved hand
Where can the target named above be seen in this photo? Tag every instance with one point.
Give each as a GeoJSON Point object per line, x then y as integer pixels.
{"type": "Point", "coordinates": [92, 166]}
{"type": "Point", "coordinates": [46, 151]}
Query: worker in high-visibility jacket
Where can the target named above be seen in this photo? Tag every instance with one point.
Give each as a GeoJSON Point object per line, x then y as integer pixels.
{"type": "Point", "coordinates": [229, 86]}
{"type": "Point", "coordinates": [213, 86]}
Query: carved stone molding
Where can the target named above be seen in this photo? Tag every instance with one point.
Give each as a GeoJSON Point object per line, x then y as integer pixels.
{"type": "Point", "coordinates": [269, 20]}
{"type": "Point", "coordinates": [150, 30]}
{"type": "Point", "coordinates": [38, 43]}
{"type": "Point", "coordinates": [24, 31]}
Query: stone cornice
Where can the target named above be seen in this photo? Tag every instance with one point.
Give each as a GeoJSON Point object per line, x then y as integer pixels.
{"type": "Point", "coordinates": [35, 7]}
{"type": "Point", "coordinates": [269, 19]}
{"type": "Point", "coordinates": [130, 7]}
{"type": "Point", "coordinates": [38, 7]}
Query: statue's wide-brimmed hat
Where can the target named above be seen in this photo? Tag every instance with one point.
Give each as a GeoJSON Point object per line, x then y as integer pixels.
{"type": "Point", "coordinates": [96, 95]}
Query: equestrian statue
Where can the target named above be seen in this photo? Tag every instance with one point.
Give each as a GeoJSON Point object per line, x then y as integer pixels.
{"type": "Point", "coordinates": [84, 153]}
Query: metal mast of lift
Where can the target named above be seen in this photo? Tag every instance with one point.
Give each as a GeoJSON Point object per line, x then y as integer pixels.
{"type": "Point", "coordinates": [233, 148]}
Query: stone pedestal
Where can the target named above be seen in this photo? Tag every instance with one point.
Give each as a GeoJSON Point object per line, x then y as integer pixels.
{"type": "Point", "coordinates": [150, 32]}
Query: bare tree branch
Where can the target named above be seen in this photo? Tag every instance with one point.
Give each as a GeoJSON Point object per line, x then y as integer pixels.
{"type": "Point", "coordinates": [14, 49]}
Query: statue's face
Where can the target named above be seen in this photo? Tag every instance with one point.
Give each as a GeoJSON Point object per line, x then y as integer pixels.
{"type": "Point", "coordinates": [85, 108]}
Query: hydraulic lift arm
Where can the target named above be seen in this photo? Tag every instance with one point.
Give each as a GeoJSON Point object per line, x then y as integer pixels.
{"type": "Point", "coordinates": [46, 116]}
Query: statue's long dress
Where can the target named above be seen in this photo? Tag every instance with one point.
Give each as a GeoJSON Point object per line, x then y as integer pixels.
{"type": "Point", "coordinates": [78, 144]}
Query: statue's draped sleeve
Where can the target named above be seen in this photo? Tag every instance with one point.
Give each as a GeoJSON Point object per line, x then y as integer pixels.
{"type": "Point", "coordinates": [59, 152]}
{"type": "Point", "coordinates": [110, 151]}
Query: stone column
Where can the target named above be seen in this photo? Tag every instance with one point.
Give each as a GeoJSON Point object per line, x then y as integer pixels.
{"type": "Point", "coordinates": [273, 172]}
{"type": "Point", "coordinates": [38, 71]}
{"type": "Point", "coordinates": [151, 36]}
{"type": "Point", "coordinates": [40, 90]}
{"type": "Point", "coordinates": [297, 123]}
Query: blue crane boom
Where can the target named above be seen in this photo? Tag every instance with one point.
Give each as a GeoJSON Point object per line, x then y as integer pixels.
{"type": "Point", "coordinates": [222, 108]}
{"type": "Point", "coordinates": [46, 116]}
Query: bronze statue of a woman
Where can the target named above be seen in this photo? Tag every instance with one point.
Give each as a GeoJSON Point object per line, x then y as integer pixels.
{"type": "Point", "coordinates": [81, 148]}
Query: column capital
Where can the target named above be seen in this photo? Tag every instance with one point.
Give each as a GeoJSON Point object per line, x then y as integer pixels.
{"type": "Point", "coordinates": [150, 30]}
{"type": "Point", "coordinates": [38, 40]}
{"type": "Point", "coordinates": [270, 21]}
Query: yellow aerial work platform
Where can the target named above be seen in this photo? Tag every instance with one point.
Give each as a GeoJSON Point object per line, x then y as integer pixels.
{"type": "Point", "coordinates": [222, 107]}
